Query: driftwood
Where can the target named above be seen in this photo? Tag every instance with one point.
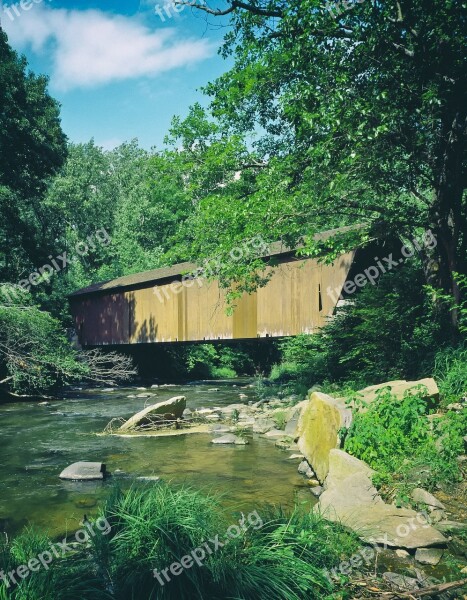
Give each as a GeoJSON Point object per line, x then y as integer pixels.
{"type": "Point", "coordinates": [427, 591]}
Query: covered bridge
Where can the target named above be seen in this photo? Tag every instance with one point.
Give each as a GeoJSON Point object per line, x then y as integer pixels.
{"type": "Point", "coordinates": [155, 307]}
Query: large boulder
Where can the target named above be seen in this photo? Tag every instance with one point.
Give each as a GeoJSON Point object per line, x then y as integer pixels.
{"type": "Point", "coordinates": [351, 499]}
{"type": "Point", "coordinates": [318, 427]}
{"type": "Point", "coordinates": [170, 409]}
{"type": "Point", "coordinates": [399, 387]}
{"type": "Point", "coordinates": [84, 471]}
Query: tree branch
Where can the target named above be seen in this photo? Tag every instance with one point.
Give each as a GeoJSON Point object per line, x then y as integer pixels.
{"type": "Point", "coordinates": [263, 12]}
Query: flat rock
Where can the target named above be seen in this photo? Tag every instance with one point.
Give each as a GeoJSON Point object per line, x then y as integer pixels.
{"type": "Point", "coordinates": [424, 497]}
{"type": "Point", "coordinates": [296, 457]}
{"type": "Point", "coordinates": [402, 553]}
{"type": "Point", "coordinates": [230, 438]}
{"type": "Point", "coordinates": [144, 395]}
{"type": "Point", "coordinates": [400, 387]}
{"type": "Point", "coordinates": [172, 408]}
{"type": "Point", "coordinates": [274, 434]}
{"type": "Point", "coordinates": [450, 526]}
{"type": "Point", "coordinates": [351, 499]}
{"type": "Point", "coordinates": [84, 471]}
{"type": "Point", "coordinates": [429, 556]}
{"type": "Point", "coordinates": [263, 425]}
{"type": "Point", "coordinates": [221, 429]}
{"type": "Point", "coordinates": [401, 582]}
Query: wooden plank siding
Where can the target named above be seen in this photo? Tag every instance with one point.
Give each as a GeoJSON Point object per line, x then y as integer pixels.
{"type": "Point", "coordinates": [294, 301]}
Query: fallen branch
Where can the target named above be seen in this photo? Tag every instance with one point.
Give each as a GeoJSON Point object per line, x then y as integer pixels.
{"type": "Point", "coordinates": [427, 591]}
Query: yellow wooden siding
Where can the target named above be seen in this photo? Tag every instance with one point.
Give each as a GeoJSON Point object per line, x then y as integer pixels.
{"type": "Point", "coordinates": [288, 305]}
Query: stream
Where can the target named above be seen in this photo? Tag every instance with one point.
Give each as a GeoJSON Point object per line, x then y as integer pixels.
{"type": "Point", "coordinates": [39, 441]}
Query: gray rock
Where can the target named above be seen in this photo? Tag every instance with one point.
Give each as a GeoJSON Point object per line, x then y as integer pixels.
{"type": "Point", "coordinates": [402, 553]}
{"type": "Point", "coordinates": [230, 438]}
{"type": "Point", "coordinates": [187, 412]}
{"type": "Point", "coordinates": [154, 386]}
{"type": "Point", "coordinates": [316, 491]}
{"type": "Point", "coordinates": [213, 417]}
{"type": "Point", "coordinates": [429, 556]}
{"type": "Point", "coordinates": [421, 495]}
{"type": "Point", "coordinates": [221, 429]}
{"type": "Point", "coordinates": [108, 390]}
{"type": "Point", "coordinates": [401, 581]}
{"type": "Point", "coordinates": [296, 457]}
{"type": "Point", "coordinates": [303, 467]}
{"type": "Point", "coordinates": [84, 471]}
{"type": "Point", "coordinates": [141, 388]}
{"type": "Point", "coordinates": [274, 434]}
{"type": "Point", "coordinates": [172, 408]}
{"type": "Point", "coordinates": [263, 425]}
{"type": "Point", "coordinates": [450, 526]}
{"type": "Point", "coordinates": [351, 499]}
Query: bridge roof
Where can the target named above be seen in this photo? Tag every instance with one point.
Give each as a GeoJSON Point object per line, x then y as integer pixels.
{"type": "Point", "coordinates": [169, 273]}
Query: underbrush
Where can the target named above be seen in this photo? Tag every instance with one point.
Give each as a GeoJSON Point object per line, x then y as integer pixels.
{"type": "Point", "coordinates": [274, 554]}
{"type": "Point", "coordinates": [405, 446]}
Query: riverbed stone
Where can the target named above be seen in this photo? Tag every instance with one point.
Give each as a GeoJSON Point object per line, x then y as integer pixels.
{"type": "Point", "coordinates": [351, 498]}
{"type": "Point", "coordinates": [84, 471]}
{"type": "Point", "coordinates": [274, 434]}
{"type": "Point", "coordinates": [400, 387]}
{"type": "Point", "coordinates": [221, 429]}
{"type": "Point", "coordinates": [263, 425]}
{"type": "Point", "coordinates": [424, 497]}
{"type": "Point", "coordinates": [173, 408]}
{"type": "Point", "coordinates": [429, 556]}
{"type": "Point", "coordinates": [230, 438]}
{"type": "Point", "coordinates": [318, 427]}
{"type": "Point", "coordinates": [316, 491]}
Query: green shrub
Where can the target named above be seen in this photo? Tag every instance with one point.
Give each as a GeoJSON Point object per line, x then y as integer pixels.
{"type": "Point", "coordinates": [223, 373]}
{"type": "Point", "coordinates": [396, 438]}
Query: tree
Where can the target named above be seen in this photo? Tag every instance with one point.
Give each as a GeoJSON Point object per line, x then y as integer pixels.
{"type": "Point", "coordinates": [32, 149]}
{"type": "Point", "coordinates": [361, 116]}
{"type": "Point", "coordinates": [36, 357]}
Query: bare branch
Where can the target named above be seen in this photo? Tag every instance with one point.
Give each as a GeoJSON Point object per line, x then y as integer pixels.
{"type": "Point", "coordinates": [234, 4]}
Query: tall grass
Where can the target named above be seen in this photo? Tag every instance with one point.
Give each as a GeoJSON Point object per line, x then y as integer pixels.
{"type": "Point", "coordinates": [282, 557]}
{"type": "Point", "coordinates": [451, 372]}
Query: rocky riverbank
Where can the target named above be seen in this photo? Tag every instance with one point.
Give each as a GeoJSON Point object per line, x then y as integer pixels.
{"type": "Point", "coordinates": [422, 534]}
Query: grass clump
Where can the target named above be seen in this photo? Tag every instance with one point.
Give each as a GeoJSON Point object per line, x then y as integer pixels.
{"type": "Point", "coordinates": [274, 555]}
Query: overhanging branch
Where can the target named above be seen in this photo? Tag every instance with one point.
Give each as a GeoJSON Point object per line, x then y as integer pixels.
{"type": "Point", "coordinates": [234, 4]}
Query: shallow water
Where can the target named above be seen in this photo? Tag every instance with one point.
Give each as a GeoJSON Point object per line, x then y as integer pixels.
{"type": "Point", "coordinates": [38, 442]}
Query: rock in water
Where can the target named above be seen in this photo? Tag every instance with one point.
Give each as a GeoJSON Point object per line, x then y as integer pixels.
{"type": "Point", "coordinates": [230, 438]}
{"type": "Point", "coordinates": [84, 471]}
{"type": "Point", "coordinates": [173, 407]}
{"type": "Point", "coordinates": [318, 429]}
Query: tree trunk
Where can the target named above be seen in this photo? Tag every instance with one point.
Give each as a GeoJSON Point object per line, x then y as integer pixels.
{"type": "Point", "coordinates": [446, 216]}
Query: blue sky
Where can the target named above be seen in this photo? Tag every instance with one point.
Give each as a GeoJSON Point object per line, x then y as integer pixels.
{"type": "Point", "coordinates": [118, 69]}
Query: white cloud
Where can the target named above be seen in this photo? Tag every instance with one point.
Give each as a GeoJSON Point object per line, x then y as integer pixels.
{"type": "Point", "coordinates": [89, 48]}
